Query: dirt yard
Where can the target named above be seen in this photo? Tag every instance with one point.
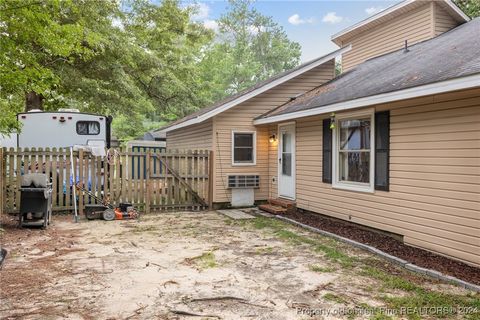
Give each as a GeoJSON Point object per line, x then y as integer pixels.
{"type": "Point", "coordinates": [205, 265]}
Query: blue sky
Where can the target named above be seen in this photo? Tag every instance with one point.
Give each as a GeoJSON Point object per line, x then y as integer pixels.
{"type": "Point", "coordinates": [310, 23]}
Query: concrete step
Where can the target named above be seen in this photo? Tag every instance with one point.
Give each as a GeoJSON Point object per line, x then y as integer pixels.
{"type": "Point", "coordinates": [272, 209]}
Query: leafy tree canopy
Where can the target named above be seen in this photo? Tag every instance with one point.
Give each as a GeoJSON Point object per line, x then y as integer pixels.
{"type": "Point", "coordinates": [470, 7]}
{"type": "Point", "coordinates": [35, 37]}
{"type": "Point", "coordinates": [136, 62]}
{"type": "Point", "coordinates": [249, 47]}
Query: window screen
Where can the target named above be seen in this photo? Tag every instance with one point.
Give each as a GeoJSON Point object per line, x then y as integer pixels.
{"type": "Point", "coordinates": [243, 148]}
{"type": "Point", "coordinates": [286, 154]}
{"type": "Point", "coordinates": [88, 128]}
{"type": "Point", "coordinates": [354, 150]}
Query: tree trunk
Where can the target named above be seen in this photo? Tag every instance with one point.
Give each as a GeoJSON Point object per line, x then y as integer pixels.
{"type": "Point", "coordinates": [33, 101]}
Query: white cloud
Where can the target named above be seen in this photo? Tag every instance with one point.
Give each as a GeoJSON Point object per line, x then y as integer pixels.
{"type": "Point", "coordinates": [202, 11]}
{"type": "Point", "coordinates": [211, 24]}
{"type": "Point", "coordinates": [332, 18]}
{"type": "Point", "coordinates": [296, 20]}
{"type": "Point", "coordinates": [373, 10]}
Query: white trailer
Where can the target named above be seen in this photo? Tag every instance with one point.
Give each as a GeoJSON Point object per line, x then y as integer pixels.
{"type": "Point", "coordinates": [60, 129]}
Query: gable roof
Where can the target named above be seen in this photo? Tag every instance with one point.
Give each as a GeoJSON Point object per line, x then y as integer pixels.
{"type": "Point", "coordinates": [446, 63]}
{"type": "Point", "coordinates": [392, 12]}
{"type": "Point", "coordinates": [231, 101]}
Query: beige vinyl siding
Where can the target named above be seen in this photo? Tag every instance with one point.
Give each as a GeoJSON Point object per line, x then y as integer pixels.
{"type": "Point", "coordinates": [195, 137]}
{"type": "Point", "coordinates": [240, 118]}
{"type": "Point", "coordinates": [414, 26]}
{"type": "Point", "coordinates": [443, 21]}
{"type": "Point", "coordinates": [434, 197]}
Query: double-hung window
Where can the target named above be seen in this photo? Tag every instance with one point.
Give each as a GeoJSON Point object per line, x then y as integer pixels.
{"type": "Point", "coordinates": [353, 153]}
{"type": "Point", "coordinates": [243, 148]}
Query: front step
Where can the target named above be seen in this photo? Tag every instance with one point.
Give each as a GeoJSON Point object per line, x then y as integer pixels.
{"type": "Point", "coordinates": [279, 206]}
{"type": "Point", "coordinates": [272, 209]}
{"type": "Point", "coordinates": [284, 203]}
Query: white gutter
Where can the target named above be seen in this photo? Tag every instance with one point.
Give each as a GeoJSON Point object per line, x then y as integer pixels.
{"type": "Point", "coordinates": [258, 91]}
{"type": "Point", "coordinates": [392, 9]}
{"type": "Point", "coordinates": [467, 82]}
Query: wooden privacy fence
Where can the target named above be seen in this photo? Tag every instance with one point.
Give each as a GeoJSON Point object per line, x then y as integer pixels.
{"type": "Point", "coordinates": [152, 181]}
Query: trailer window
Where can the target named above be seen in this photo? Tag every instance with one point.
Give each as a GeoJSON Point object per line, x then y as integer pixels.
{"type": "Point", "coordinates": [88, 127]}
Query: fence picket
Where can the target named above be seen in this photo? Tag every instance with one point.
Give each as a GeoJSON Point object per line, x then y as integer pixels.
{"type": "Point", "coordinates": [54, 178]}
{"type": "Point", "coordinates": [60, 178]}
{"type": "Point", "coordinates": [17, 167]}
{"type": "Point", "coordinates": [150, 180]}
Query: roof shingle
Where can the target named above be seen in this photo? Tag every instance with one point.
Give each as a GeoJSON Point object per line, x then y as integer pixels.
{"type": "Point", "coordinates": [451, 55]}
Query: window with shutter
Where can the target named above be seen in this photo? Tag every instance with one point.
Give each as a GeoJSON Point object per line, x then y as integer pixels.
{"type": "Point", "coordinates": [353, 151]}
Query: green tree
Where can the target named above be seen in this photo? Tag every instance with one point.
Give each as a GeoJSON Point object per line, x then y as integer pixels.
{"type": "Point", "coordinates": [35, 38]}
{"type": "Point", "coordinates": [249, 48]}
{"type": "Point", "coordinates": [470, 7]}
{"type": "Point", "coordinates": [137, 64]}
{"type": "Point", "coordinates": [147, 71]}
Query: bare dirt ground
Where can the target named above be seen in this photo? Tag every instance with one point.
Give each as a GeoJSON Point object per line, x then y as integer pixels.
{"type": "Point", "coordinates": [205, 265]}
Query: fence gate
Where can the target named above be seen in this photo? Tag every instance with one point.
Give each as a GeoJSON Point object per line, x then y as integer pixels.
{"type": "Point", "coordinates": [151, 181]}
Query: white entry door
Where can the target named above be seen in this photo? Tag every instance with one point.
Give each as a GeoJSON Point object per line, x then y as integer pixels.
{"type": "Point", "coordinates": [286, 161]}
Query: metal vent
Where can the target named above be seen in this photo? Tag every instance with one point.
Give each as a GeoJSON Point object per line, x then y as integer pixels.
{"type": "Point", "coordinates": [244, 181]}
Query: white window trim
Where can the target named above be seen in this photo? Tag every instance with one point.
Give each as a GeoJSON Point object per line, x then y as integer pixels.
{"type": "Point", "coordinates": [244, 164]}
{"type": "Point", "coordinates": [354, 186]}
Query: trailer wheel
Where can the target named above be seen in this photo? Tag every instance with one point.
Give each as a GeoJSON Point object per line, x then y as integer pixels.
{"type": "Point", "coordinates": [108, 215]}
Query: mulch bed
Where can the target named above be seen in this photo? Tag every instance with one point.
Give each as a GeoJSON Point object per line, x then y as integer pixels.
{"type": "Point", "coordinates": [419, 257]}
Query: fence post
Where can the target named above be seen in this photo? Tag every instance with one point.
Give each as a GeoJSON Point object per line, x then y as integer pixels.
{"type": "Point", "coordinates": [147, 182]}
{"type": "Point", "coordinates": [80, 181]}
{"type": "Point", "coordinates": [211, 161]}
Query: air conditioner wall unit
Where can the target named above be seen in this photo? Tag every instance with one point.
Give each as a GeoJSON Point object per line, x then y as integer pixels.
{"type": "Point", "coordinates": [243, 189]}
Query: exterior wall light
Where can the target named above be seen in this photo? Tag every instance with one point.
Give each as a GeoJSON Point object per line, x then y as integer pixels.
{"type": "Point", "coordinates": [332, 120]}
{"type": "Point", "coordinates": [272, 138]}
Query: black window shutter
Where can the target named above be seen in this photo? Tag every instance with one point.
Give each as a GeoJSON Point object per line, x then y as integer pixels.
{"type": "Point", "coordinates": [382, 150]}
{"type": "Point", "coordinates": [327, 152]}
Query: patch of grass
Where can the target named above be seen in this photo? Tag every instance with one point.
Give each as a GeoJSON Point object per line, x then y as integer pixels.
{"type": "Point", "coordinates": [139, 229]}
{"type": "Point", "coordinates": [420, 299]}
{"type": "Point", "coordinates": [336, 255]}
{"type": "Point", "coordinates": [320, 269]}
{"type": "Point", "coordinates": [389, 281]}
{"type": "Point", "coordinates": [264, 222]}
{"type": "Point", "coordinates": [423, 299]}
{"type": "Point", "coordinates": [380, 316]}
{"type": "Point", "coordinates": [264, 250]}
{"type": "Point", "coordinates": [332, 297]}
{"type": "Point", "coordinates": [293, 237]}
{"type": "Point", "coordinates": [206, 260]}
{"type": "Point", "coordinates": [280, 230]}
